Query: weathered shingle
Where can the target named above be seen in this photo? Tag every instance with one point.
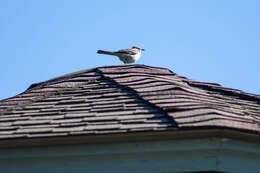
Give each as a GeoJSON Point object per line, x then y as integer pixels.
{"type": "Point", "coordinates": [122, 99]}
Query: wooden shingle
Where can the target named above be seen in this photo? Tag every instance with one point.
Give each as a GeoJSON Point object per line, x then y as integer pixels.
{"type": "Point", "coordinates": [124, 99]}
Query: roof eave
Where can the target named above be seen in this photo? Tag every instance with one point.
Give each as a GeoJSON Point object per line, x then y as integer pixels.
{"type": "Point", "coordinates": [184, 134]}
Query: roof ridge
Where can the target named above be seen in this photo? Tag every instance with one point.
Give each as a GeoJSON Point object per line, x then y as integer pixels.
{"type": "Point", "coordinates": [60, 78]}
{"type": "Point", "coordinates": [227, 91]}
{"type": "Point", "coordinates": [135, 65]}
{"type": "Point", "coordinates": [66, 76]}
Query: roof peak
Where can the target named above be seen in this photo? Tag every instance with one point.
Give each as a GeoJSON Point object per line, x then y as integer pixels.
{"type": "Point", "coordinates": [119, 67]}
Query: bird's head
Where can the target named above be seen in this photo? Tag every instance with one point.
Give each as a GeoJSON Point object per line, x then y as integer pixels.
{"type": "Point", "coordinates": [136, 47]}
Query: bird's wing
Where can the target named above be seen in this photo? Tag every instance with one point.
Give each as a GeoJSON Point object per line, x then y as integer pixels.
{"type": "Point", "coordinates": [127, 51]}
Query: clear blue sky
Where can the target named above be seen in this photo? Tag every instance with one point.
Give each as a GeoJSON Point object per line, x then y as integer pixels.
{"type": "Point", "coordinates": [206, 40]}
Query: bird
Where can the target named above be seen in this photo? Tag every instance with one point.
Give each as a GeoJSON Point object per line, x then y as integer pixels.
{"type": "Point", "coordinates": [128, 56]}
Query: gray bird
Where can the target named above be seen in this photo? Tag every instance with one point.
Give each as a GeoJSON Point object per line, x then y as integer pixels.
{"type": "Point", "coordinates": [128, 56]}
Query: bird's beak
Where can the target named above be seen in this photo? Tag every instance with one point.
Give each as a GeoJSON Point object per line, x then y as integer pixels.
{"type": "Point", "coordinates": [142, 49]}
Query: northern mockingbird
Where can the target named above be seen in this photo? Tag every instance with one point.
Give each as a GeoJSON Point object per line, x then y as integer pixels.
{"type": "Point", "coordinates": [128, 56]}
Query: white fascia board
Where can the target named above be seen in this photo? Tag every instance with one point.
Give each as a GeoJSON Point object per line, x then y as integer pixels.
{"type": "Point", "coordinates": [215, 154]}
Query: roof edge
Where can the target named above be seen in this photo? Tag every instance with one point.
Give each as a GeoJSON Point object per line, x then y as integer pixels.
{"type": "Point", "coordinates": [185, 134]}
{"type": "Point", "coordinates": [69, 75]}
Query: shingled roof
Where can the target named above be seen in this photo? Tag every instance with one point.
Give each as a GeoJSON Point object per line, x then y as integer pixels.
{"type": "Point", "coordinates": [125, 99]}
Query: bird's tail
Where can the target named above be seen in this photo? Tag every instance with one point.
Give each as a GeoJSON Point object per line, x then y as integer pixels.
{"type": "Point", "coordinates": [105, 52]}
